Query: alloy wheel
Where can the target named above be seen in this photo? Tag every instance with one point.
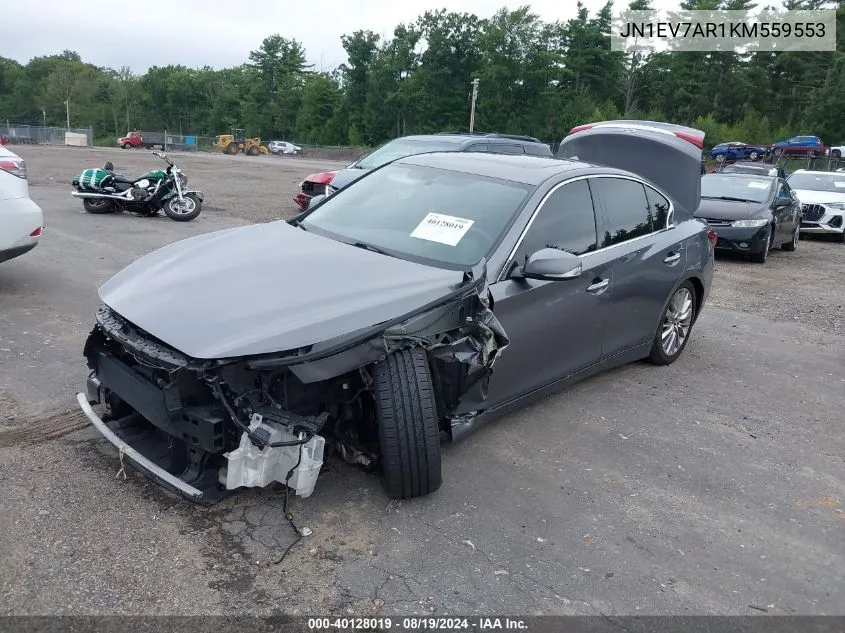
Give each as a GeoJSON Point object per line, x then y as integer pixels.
{"type": "Point", "coordinates": [677, 322]}
{"type": "Point", "coordinates": [184, 206]}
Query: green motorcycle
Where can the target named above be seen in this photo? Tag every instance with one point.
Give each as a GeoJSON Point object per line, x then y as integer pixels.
{"type": "Point", "coordinates": [104, 191]}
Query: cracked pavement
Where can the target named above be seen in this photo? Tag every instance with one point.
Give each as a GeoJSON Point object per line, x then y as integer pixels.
{"type": "Point", "coordinates": [714, 486]}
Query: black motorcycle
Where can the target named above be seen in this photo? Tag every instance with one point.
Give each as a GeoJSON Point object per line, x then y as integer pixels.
{"type": "Point", "coordinates": [104, 191]}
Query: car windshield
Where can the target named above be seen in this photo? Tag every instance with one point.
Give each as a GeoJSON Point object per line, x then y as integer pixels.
{"type": "Point", "coordinates": [434, 216]}
{"type": "Point", "coordinates": [404, 147]}
{"type": "Point", "coordinates": [736, 187]}
{"type": "Point", "coordinates": [818, 182]}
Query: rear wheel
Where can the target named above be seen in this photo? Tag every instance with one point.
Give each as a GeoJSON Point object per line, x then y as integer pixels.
{"type": "Point", "coordinates": [792, 244]}
{"type": "Point", "coordinates": [232, 148]}
{"type": "Point", "coordinates": [97, 205]}
{"type": "Point", "coordinates": [409, 432]}
{"type": "Point", "coordinates": [675, 326]}
{"type": "Point", "coordinates": [754, 155]}
{"type": "Point", "coordinates": [183, 210]}
{"type": "Point", "coordinates": [127, 146]}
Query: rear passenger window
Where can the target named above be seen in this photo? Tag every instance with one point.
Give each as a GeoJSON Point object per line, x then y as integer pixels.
{"type": "Point", "coordinates": [566, 221]}
{"type": "Point", "coordinates": [505, 148]}
{"type": "Point", "coordinates": [478, 147]}
{"type": "Point", "coordinates": [537, 149]}
{"type": "Point", "coordinates": [626, 209]}
{"type": "Point", "coordinates": [658, 208]}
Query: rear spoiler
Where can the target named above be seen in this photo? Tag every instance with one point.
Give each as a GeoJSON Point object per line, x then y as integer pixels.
{"type": "Point", "coordinates": [689, 134]}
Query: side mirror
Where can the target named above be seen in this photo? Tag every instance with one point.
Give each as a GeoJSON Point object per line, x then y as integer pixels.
{"type": "Point", "coordinates": [780, 203]}
{"type": "Point", "coordinates": [551, 264]}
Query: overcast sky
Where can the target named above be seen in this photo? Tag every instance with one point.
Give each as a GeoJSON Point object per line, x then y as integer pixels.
{"type": "Point", "coordinates": [220, 33]}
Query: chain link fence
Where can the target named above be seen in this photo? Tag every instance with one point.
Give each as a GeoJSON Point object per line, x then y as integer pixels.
{"type": "Point", "coordinates": [18, 134]}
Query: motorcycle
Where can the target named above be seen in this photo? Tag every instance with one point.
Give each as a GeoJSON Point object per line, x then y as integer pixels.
{"type": "Point", "coordinates": [104, 191]}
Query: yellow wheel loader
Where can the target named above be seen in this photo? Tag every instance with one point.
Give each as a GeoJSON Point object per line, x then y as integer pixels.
{"type": "Point", "coordinates": [237, 142]}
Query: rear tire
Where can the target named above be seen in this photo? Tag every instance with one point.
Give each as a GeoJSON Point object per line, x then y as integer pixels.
{"type": "Point", "coordinates": [98, 206]}
{"type": "Point", "coordinates": [678, 318]}
{"type": "Point", "coordinates": [232, 148]}
{"type": "Point", "coordinates": [793, 243]}
{"type": "Point", "coordinates": [836, 154]}
{"type": "Point", "coordinates": [183, 211]}
{"type": "Point", "coordinates": [409, 432]}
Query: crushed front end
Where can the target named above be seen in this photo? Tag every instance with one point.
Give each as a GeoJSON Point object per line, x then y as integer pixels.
{"type": "Point", "coordinates": [203, 427]}
{"type": "Point", "coordinates": [206, 427]}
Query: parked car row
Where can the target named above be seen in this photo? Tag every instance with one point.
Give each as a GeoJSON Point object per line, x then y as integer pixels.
{"type": "Point", "coordinates": [754, 208]}
{"type": "Point", "coordinates": [793, 146]}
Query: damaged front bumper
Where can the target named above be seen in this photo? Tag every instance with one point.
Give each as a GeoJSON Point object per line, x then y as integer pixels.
{"type": "Point", "coordinates": [203, 428]}
{"type": "Point", "coordinates": [126, 450]}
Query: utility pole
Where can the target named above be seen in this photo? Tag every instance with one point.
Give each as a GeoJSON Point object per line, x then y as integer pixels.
{"type": "Point", "coordinates": [44, 114]}
{"type": "Point", "coordinates": [67, 106]}
{"type": "Point", "coordinates": [472, 110]}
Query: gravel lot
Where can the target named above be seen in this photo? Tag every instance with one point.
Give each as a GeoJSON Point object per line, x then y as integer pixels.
{"type": "Point", "coordinates": [716, 485]}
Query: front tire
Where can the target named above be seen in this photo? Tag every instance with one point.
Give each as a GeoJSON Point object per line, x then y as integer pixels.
{"type": "Point", "coordinates": [409, 432]}
{"type": "Point", "coordinates": [253, 151]}
{"type": "Point", "coordinates": [760, 258]}
{"type": "Point", "coordinates": [675, 326]}
{"type": "Point", "coordinates": [183, 210]}
{"type": "Point", "coordinates": [97, 206]}
{"type": "Point", "coordinates": [754, 155]}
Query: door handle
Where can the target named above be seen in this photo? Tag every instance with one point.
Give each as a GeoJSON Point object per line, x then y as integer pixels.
{"type": "Point", "coordinates": [672, 259]}
{"type": "Point", "coordinates": [598, 287]}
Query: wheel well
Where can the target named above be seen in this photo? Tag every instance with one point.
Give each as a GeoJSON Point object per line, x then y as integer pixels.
{"type": "Point", "coordinates": [698, 287]}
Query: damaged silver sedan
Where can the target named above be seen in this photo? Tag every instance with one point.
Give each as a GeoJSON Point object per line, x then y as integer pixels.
{"type": "Point", "coordinates": [432, 295]}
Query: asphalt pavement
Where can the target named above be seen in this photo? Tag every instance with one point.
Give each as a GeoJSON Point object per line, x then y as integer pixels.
{"type": "Point", "coordinates": [713, 486]}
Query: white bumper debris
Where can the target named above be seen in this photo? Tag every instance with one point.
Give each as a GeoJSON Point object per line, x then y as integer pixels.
{"type": "Point", "coordinates": [250, 466]}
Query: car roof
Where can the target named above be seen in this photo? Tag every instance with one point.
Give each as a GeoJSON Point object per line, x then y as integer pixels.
{"type": "Point", "coordinates": [469, 137]}
{"type": "Point", "coordinates": [814, 172]}
{"type": "Point", "coordinates": [740, 174]}
{"type": "Point", "coordinates": [529, 170]}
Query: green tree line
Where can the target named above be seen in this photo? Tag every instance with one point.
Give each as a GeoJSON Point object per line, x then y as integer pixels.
{"type": "Point", "coordinates": [538, 78]}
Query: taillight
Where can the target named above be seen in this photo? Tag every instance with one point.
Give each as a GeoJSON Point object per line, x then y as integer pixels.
{"type": "Point", "coordinates": [581, 128]}
{"type": "Point", "coordinates": [14, 166]}
{"type": "Point", "coordinates": [711, 235]}
{"type": "Point", "coordinates": [36, 232]}
{"type": "Point", "coordinates": [695, 139]}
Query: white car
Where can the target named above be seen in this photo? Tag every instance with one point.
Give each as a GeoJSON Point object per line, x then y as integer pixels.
{"type": "Point", "coordinates": [822, 196]}
{"type": "Point", "coordinates": [283, 147]}
{"type": "Point", "coordinates": [21, 220]}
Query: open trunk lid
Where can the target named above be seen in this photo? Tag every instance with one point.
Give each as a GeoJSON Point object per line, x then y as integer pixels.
{"type": "Point", "coordinates": [668, 155]}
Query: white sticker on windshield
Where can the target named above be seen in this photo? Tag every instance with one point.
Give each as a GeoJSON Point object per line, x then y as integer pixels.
{"type": "Point", "coordinates": [445, 229]}
{"type": "Point", "coordinates": [839, 184]}
{"type": "Point", "coordinates": [759, 185]}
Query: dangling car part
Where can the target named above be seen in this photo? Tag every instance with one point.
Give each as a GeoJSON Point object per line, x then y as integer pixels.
{"type": "Point", "coordinates": [104, 191]}
{"type": "Point", "coordinates": [474, 295]}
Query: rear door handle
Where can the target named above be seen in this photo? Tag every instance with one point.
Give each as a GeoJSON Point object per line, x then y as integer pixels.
{"type": "Point", "coordinates": [672, 259]}
{"type": "Point", "coordinates": [598, 287]}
